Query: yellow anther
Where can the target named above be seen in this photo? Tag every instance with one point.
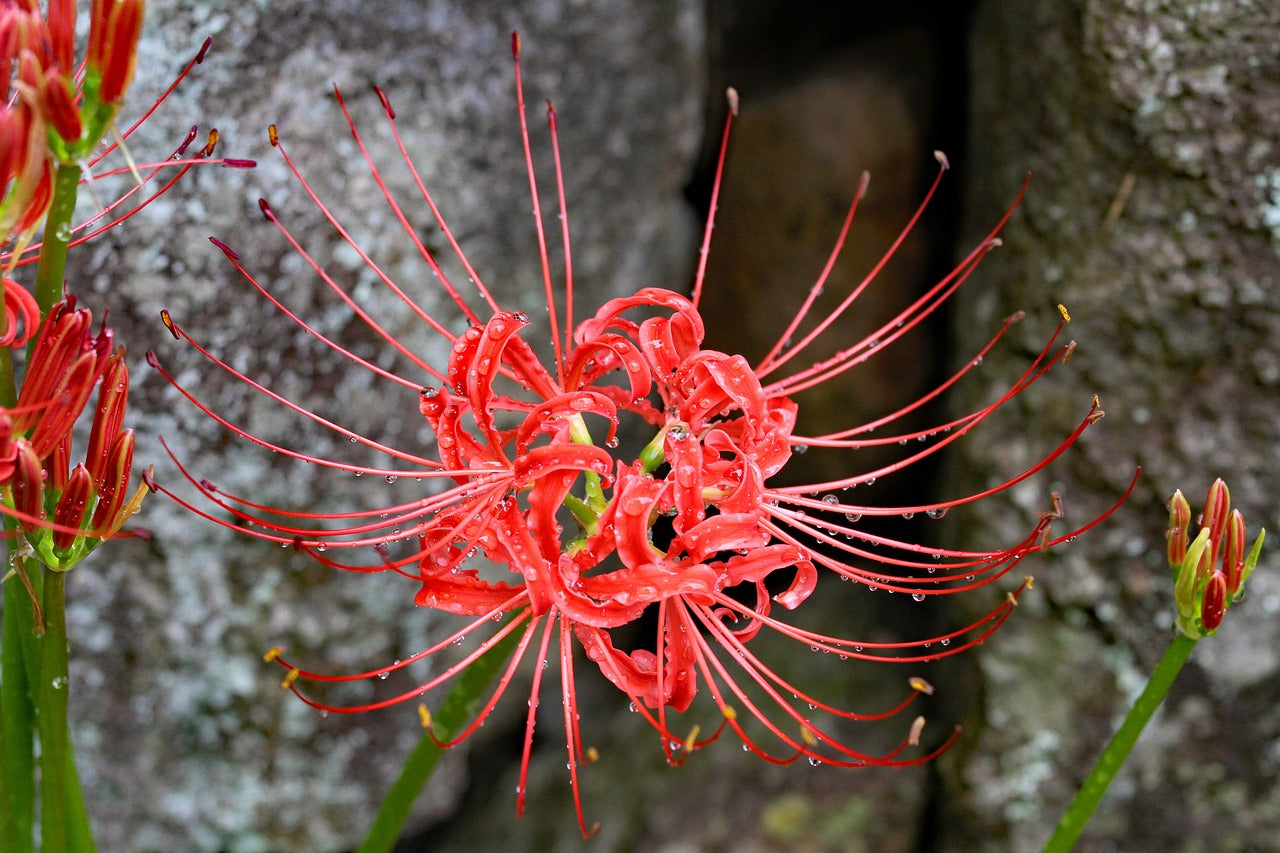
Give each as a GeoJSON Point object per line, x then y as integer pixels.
{"type": "Point", "coordinates": [290, 678]}
{"type": "Point", "coordinates": [730, 713]}
{"type": "Point", "coordinates": [1029, 582]}
{"type": "Point", "coordinates": [273, 653]}
{"type": "Point", "coordinates": [692, 738]}
{"type": "Point", "coordinates": [1062, 309]}
{"type": "Point", "coordinates": [807, 736]}
{"type": "Point", "coordinates": [919, 685]}
{"type": "Point", "coordinates": [424, 716]}
{"type": "Point", "coordinates": [917, 726]}
{"type": "Point", "coordinates": [592, 755]}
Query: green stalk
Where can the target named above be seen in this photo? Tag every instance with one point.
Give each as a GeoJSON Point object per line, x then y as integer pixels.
{"type": "Point", "coordinates": [52, 268]}
{"type": "Point", "coordinates": [17, 715]}
{"type": "Point", "coordinates": [29, 702]}
{"type": "Point", "coordinates": [17, 678]}
{"type": "Point", "coordinates": [1113, 757]}
{"type": "Point", "coordinates": [64, 824]}
{"type": "Point", "coordinates": [458, 707]}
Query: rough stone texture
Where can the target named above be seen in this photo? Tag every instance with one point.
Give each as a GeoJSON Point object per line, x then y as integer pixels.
{"type": "Point", "coordinates": [1153, 135]}
{"type": "Point", "coordinates": [184, 741]}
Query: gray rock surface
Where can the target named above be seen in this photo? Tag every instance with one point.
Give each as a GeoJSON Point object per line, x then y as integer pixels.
{"type": "Point", "coordinates": [1152, 135]}
{"type": "Point", "coordinates": [184, 741]}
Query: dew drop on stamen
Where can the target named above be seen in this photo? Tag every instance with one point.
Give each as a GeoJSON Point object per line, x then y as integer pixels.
{"type": "Point", "coordinates": [937, 512]}
{"type": "Point", "coordinates": [917, 596]}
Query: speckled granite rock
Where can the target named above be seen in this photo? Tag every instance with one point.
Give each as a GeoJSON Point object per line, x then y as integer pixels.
{"type": "Point", "coordinates": [1153, 137]}
{"type": "Point", "coordinates": [184, 741]}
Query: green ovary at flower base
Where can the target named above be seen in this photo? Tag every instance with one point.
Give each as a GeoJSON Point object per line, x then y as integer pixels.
{"type": "Point", "coordinates": [689, 530]}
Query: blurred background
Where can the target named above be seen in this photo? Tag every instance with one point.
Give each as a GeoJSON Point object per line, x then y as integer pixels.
{"type": "Point", "coordinates": [1153, 140]}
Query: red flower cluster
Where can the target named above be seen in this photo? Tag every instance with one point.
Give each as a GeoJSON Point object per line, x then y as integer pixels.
{"type": "Point", "coordinates": [65, 511]}
{"type": "Point", "coordinates": [58, 110]}
{"type": "Point", "coordinates": [688, 531]}
{"type": "Point", "coordinates": [49, 110]}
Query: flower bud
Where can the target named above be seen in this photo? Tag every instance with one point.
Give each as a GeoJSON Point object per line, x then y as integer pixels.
{"type": "Point", "coordinates": [113, 392]}
{"type": "Point", "coordinates": [61, 21]}
{"type": "Point", "coordinates": [1179, 519]}
{"type": "Point", "coordinates": [1217, 506]}
{"type": "Point", "coordinates": [72, 507]}
{"type": "Point", "coordinates": [113, 45]}
{"type": "Point", "coordinates": [114, 485]}
{"type": "Point", "coordinates": [1233, 552]}
{"type": "Point", "coordinates": [1214, 603]}
{"type": "Point", "coordinates": [28, 485]}
{"type": "Point", "coordinates": [59, 105]}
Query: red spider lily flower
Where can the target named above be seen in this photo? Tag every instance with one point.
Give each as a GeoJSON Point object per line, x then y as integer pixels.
{"type": "Point", "coordinates": [527, 474]}
{"type": "Point", "coordinates": [57, 112]}
{"type": "Point", "coordinates": [66, 511]}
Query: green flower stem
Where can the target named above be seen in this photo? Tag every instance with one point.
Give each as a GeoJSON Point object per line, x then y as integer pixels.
{"type": "Point", "coordinates": [17, 676]}
{"type": "Point", "coordinates": [1113, 757]}
{"type": "Point", "coordinates": [17, 720]}
{"type": "Point", "coordinates": [64, 824]}
{"type": "Point", "coordinates": [22, 652]}
{"type": "Point", "coordinates": [57, 234]}
{"type": "Point", "coordinates": [458, 706]}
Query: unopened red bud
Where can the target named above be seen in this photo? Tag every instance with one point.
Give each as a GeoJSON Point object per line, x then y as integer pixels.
{"type": "Point", "coordinates": [72, 507]}
{"type": "Point", "coordinates": [61, 21]}
{"type": "Point", "coordinates": [114, 54]}
{"type": "Point", "coordinates": [12, 144]}
{"type": "Point", "coordinates": [1179, 519]}
{"type": "Point", "coordinates": [59, 343]}
{"type": "Point", "coordinates": [1214, 603]}
{"type": "Point", "coordinates": [1233, 546]}
{"type": "Point", "coordinates": [66, 402]}
{"type": "Point", "coordinates": [1217, 507]}
{"type": "Point", "coordinates": [28, 484]}
{"type": "Point", "coordinates": [8, 448]}
{"type": "Point", "coordinates": [60, 107]}
{"type": "Point", "coordinates": [114, 487]}
{"type": "Point", "coordinates": [58, 463]}
{"type": "Point", "coordinates": [113, 391]}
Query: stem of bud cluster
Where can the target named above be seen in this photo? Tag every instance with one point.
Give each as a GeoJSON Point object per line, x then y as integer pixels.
{"type": "Point", "coordinates": [1117, 750]}
{"type": "Point", "coordinates": [64, 824]}
{"type": "Point", "coordinates": [34, 665]}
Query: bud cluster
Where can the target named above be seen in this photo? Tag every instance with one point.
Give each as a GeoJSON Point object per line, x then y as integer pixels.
{"type": "Point", "coordinates": [1209, 572]}
{"type": "Point", "coordinates": [65, 510]}
{"type": "Point", "coordinates": [48, 113]}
